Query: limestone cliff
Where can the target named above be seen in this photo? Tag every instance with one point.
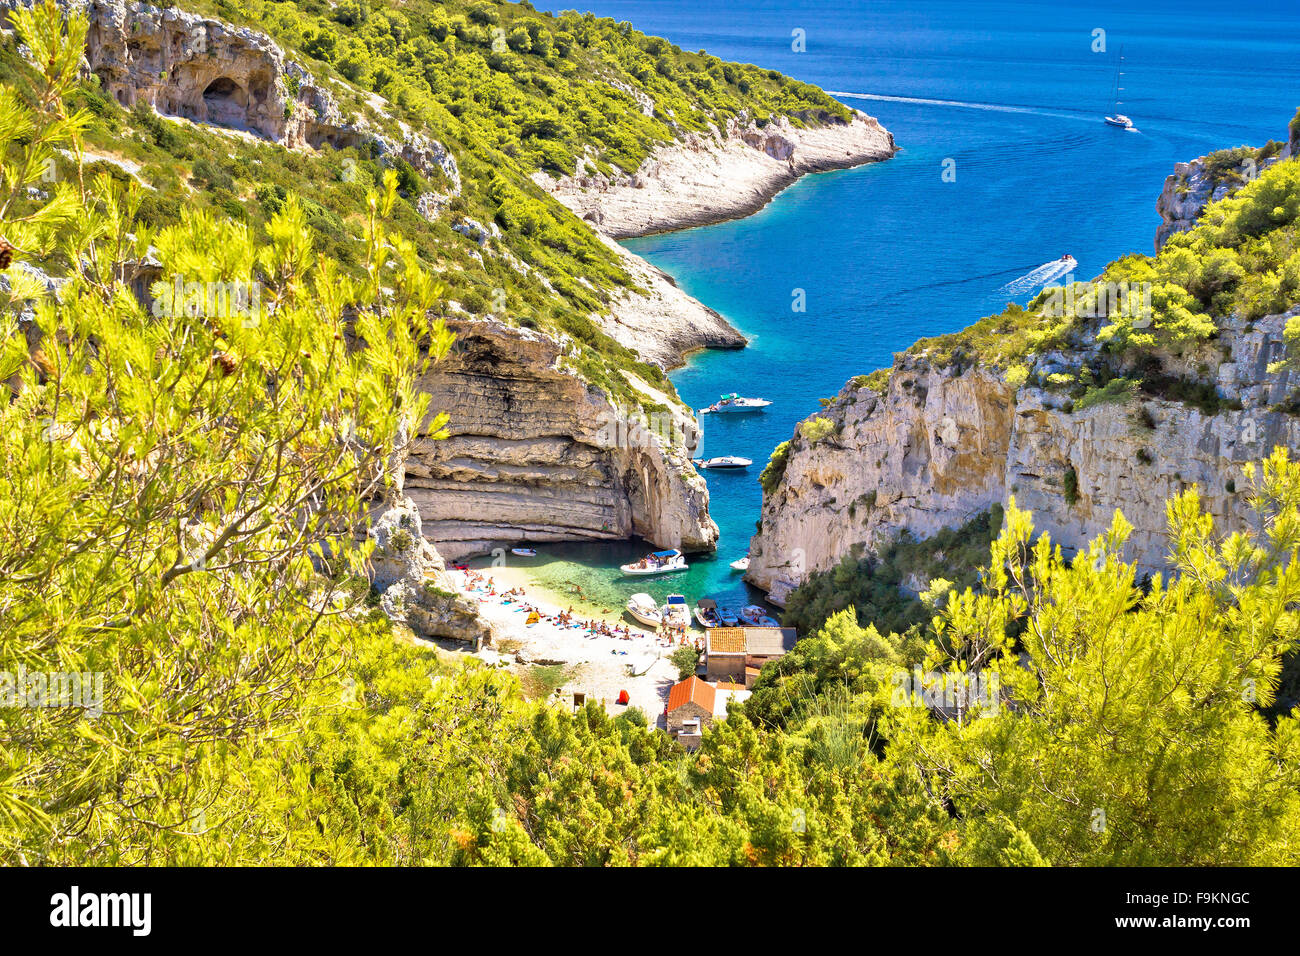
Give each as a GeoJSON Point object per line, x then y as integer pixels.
{"type": "Point", "coordinates": [942, 445]}
{"type": "Point", "coordinates": [196, 68]}
{"type": "Point", "coordinates": [940, 440]}
{"type": "Point", "coordinates": [537, 454]}
{"type": "Point", "coordinates": [412, 581]}
{"type": "Point", "coordinates": [718, 175]}
{"type": "Point", "coordinates": [661, 322]}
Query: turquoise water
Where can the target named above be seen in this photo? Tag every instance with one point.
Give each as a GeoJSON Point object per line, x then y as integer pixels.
{"type": "Point", "coordinates": [891, 252]}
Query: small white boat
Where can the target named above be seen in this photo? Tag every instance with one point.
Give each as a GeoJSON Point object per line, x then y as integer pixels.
{"type": "Point", "coordinates": [676, 612]}
{"type": "Point", "coordinates": [735, 403]}
{"type": "Point", "coordinates": [1118, 118]}
{"type": "Point", "coordinates": [706, 612]}
{"type": "Point", "coordinates": [524, 552]}
{"type": "Point", "coordinates": [723, 461]}
{"type": "Point", "coordinates": [644, 609]}
{"type": "Point", "coordinates": [659, 562]}
{"type": "Point", "coordinates": [740, 564]}
{"type": "Point", "coordinates": [755, 616]}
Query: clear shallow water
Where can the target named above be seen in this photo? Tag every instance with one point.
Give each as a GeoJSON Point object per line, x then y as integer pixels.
{"type": "Point", "coordinates": [890, 252]}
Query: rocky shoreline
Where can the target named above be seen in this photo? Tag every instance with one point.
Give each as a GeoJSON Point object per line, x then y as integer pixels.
{"type": "Point", "coordinates": [665, 325]}
{"type": "Point", "coordinates": [702, 180]}
{"type": "Point", "coordinates": [713, 177]}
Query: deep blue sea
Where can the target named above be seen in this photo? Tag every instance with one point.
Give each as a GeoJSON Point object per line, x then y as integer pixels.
{"type": "Point", "coordinates": [887, 253]}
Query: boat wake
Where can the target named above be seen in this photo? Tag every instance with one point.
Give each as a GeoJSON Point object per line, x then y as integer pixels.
{"type": "Point", "coordinates": [964, 280]}
{"type": "Point", "coordinates": [964, 104]}
{"type": "Point", "coordinates": [1037, 278]}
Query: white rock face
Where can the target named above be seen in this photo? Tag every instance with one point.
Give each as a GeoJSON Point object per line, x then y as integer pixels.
{"type": "Point", "coordinates": [709, 178]}
{"type": "Point", "coordinates": [939, 447]}
{"type": "Point", "coordinates": [412, 581]}
{"type": "Point", "coordinates": [535, 454]}
{"type": "Point", "coordinates": [664, 324]}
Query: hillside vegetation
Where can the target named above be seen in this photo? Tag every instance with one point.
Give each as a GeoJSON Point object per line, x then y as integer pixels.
{"type": "Point", "coordinates": [508, 90]}
{"type": "Point", "coordinates": [1242, 259]}
{"type": "Point", "coordinates": [180, 501]}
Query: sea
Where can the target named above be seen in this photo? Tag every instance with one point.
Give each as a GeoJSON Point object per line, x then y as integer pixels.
{"type": "Point", "coordinates": [1005, 166]}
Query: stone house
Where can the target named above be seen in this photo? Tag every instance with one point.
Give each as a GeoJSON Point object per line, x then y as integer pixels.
{"type": "Point", "coordinates": [737, 654]}
{"type": "Point", "coordinates": [690, 710]}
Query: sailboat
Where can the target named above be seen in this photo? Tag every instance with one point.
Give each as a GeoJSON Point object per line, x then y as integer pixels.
{"type": "Point", "coordinates": [1119, 119]}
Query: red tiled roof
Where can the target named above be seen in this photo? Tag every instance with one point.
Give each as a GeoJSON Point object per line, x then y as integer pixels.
{"type": "Point", "coordinates": [691, 690]}
{"type": "Point", "coordinates": [726, 640]}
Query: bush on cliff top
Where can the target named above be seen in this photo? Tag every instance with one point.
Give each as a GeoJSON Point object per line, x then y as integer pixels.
{"type": "Point", "coordinates": [1242, 258]}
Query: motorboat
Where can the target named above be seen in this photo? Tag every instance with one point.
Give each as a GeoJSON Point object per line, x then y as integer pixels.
{"type": "Point", "coordinates": [755, 616]}
{"type": "Point", "coordinates": [706, 613]}
{"type": "Point", "coordinates": [645, 610]}
{"type": "Point", "coordinates": [657, 562]}
{"type": "Point", "coordinates": [524, 552]}
{"type": "Point", "coordinates": [723, 461]}
{"type": "Point", "coordinates": [676, 613]}
{"type": "Point", "coordinates": [740, 564]}
{"type": "Point", "coordinates": [735, 403]}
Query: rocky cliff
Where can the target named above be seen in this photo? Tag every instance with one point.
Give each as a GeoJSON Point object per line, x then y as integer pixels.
{"type": "Point", "coordinates": [536, 454]}
{"type": "Point", "coordinates": [718, 175]}
{"type": "Point", "coordinates": [941, 445]}
{"type": "Point", "coordinates": [1204, 180]}
{"type": "Point", "coordinates": [661, 322]}
{"type": "Point", "coordinates": [192, 67]}
{"type": "Point", "coordinates": [936, 441]}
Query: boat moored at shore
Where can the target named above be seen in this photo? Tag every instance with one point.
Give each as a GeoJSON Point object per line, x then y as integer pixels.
{"type": "Point", "coordinates": [645, 610]}
{"type": "Point", "coordinates": [657, 562]}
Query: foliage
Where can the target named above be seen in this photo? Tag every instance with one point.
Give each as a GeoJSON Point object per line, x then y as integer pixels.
{"type": "Point", "coordinates": [1134, 737]}
{"type": "Point", "coordinates": [686, 659]}
{"type": "Point", "coordinates": [874, 585]}
{"type": "Point", "coordinates": [179, 491]}
{"type": "Point", "coordinates": [816, 429]}
{"type": "Point", "coordinates": [774, 470]}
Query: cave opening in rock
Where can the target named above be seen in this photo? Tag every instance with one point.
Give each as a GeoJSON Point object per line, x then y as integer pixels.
{"type": "Point", "coordinates": [226, 102]}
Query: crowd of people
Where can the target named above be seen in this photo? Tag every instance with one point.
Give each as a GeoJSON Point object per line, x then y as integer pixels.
{"type": "Point", "coordinates": [666, 635]}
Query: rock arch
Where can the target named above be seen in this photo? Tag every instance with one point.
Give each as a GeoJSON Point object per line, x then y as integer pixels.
{"type": "Point", "coordinates": [225, 103]}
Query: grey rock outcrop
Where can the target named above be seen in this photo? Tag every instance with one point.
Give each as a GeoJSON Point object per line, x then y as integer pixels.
{"type": "Point", "coordinates": [717, 175]}
{"type": "Point", "coordinates": [940, 446]}
{"type": "Point", "coordinates": [412, 581]}
{"type": "Point", "coordinates": [197, 68]}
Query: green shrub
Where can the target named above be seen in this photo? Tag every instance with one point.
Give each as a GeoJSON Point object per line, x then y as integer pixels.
{"type": "Point", "coordinates": [775, 468]}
